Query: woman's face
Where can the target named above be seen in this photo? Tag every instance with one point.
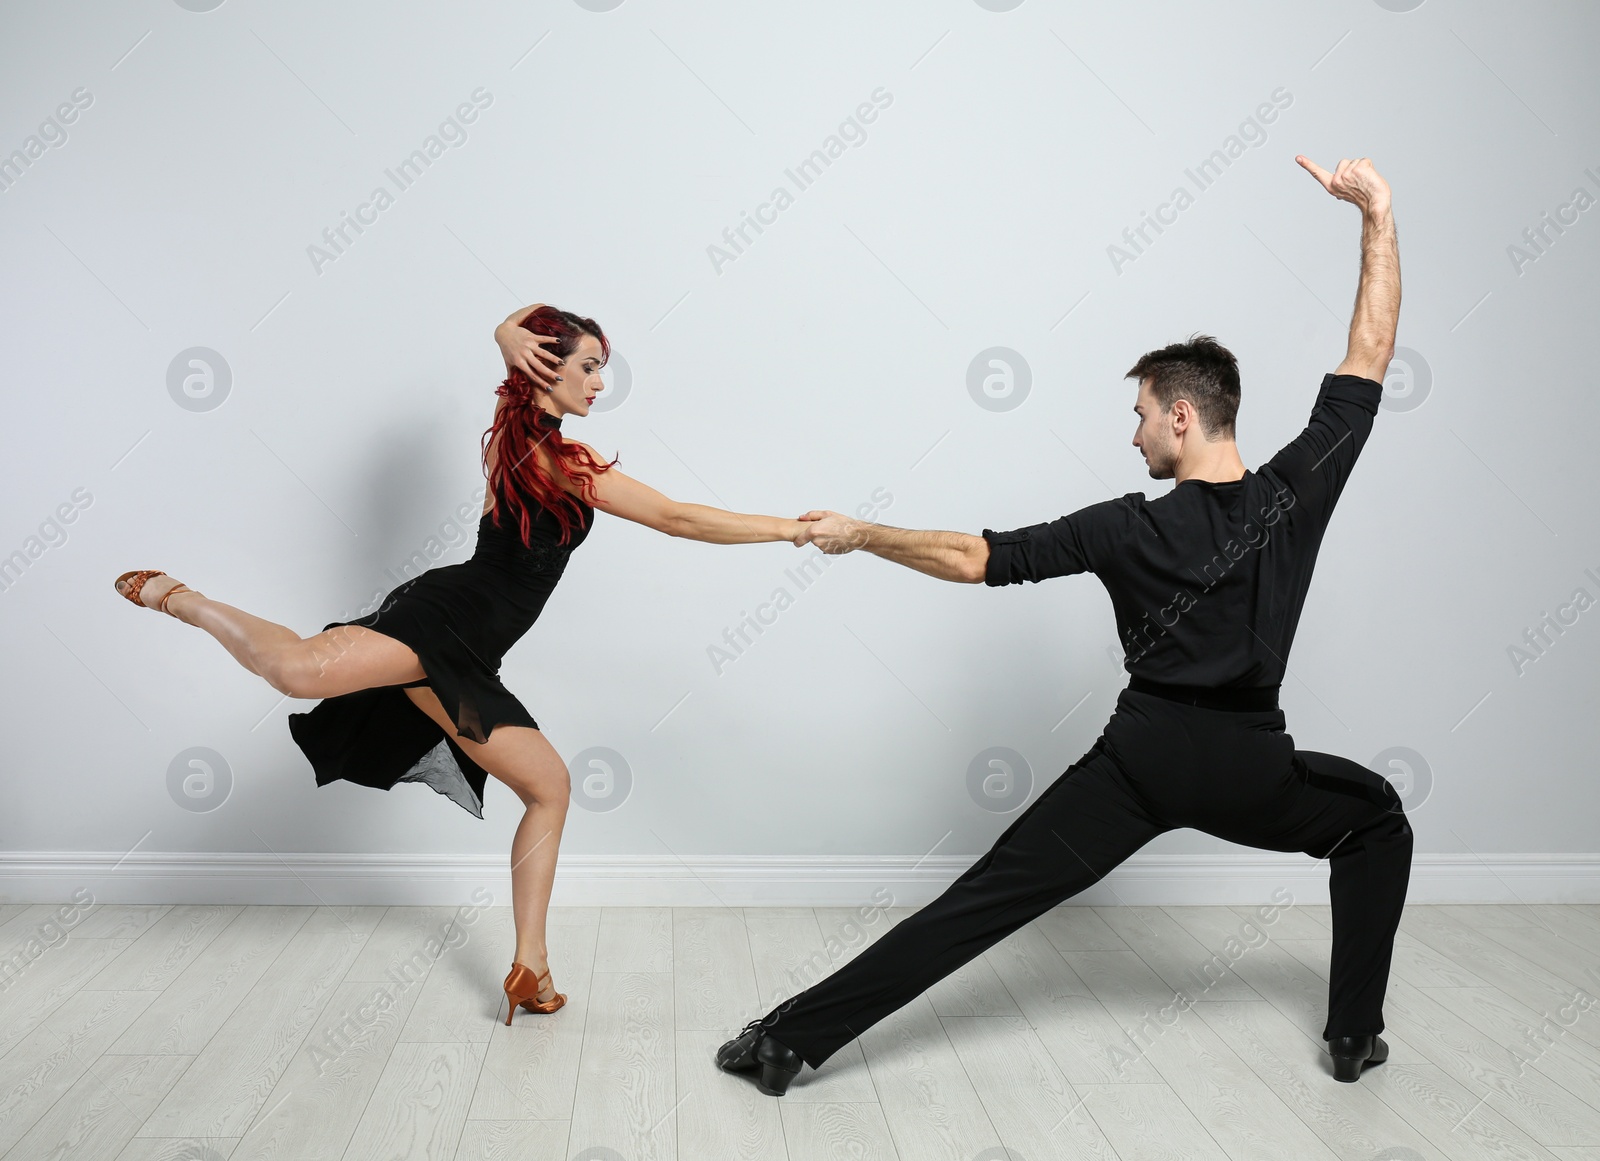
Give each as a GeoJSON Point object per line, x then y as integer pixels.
{"type": "Point", "coordinates": [580, 378]}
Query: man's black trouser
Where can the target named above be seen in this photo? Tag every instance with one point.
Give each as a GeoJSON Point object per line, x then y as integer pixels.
{"type": "Point", "coordinates": [1160, 764]}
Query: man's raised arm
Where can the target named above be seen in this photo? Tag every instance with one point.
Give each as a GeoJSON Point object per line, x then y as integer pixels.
{"type": "Point", "coordinates": [1377, 310]}
{"type": "Point", "coordinates": [951, 556]}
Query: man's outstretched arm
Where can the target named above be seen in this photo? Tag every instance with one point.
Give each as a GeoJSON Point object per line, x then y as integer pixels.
{"type": "Point", "coordinates": [951, 556]}
{"type": "Point", "coordinates": [1377, 309]}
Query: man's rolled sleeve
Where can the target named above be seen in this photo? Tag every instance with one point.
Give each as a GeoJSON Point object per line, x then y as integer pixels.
{"type": "Point", "coordinates": [1035, 552]}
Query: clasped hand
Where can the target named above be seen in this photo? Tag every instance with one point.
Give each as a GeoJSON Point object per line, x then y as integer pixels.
{"type": "Point", "coordinates": [832, 532]}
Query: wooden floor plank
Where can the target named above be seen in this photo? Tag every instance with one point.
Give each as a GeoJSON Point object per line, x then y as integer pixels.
{"type": "Point", "coordinates": [1195, 967]}
{"type": "Point", "coordinates": [313, 1111]}
{"type": "Point", "coordinates": [530, 1070]}
{"type": "Point", "coordinates": [1031, 1104]}
{"type": "Point", "coordinates": [973, 989]}
{"type": "Point", "coordinates": [1237, 1109]}
{"type": "Point", "coordinates": [1073, 927]}
{"type": "Point", "coordinates": [1087, 1045]}
{"type": "Point", "coordinates": [1285, 920]}
{"type": "Point", "coordinates": [927, 1098]}
{"type": "Point", "coordinates": [515, 1140]}
{"type": "Point", "coordinates": [263, 1033]}
{"type": "Point", "coordinates": [462, 997]}
{"type": "Point", "coordinates": [786, 952]}
{"type": "Point", "coordinates": [1519, 976]}
{"type": "Point", "coordinates": [634, 939]}
{"type": "Point", "coordinates": [103, 1109]}
{"type": "Point", "coordinates": [221, 977]}
{"type": "Point", "coordinates": [1349, 1118]}
{"type": "Point", "coordinates": [234, 1074]}
{"type": "Point", "coordinates": [119, 920]}
{"type": "Point", "coordinates": [53, 978]}
{"type": "Point", "coordinates": [179, 1149]}
{"type": "Point", "coordinates": [719, 1115]}
{"type": "Point", "coordinates": [419, 1108]}
{"type": "Point", "coordinates": [627, 1076]}
{"type": "Point", "coordinates": [1540, 1107]}
{"type": "Point", "coordinates": [790, 954]}
{"type": "Point", "coordinates": [827, 1132]}
{"type": "Point", "coordinates": [166, 948]}
{"type": "Point", "coordinates": [42, 1066]}
{"type": "Point", "coordinates": [714, 983]}
{"type": "Point", "coordinates": [1451, 1116]}
{"type": "Point", "coordinates": [1149, 1122]}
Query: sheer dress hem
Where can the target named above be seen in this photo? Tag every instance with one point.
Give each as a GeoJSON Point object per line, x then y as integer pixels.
{"type": "Point", "coordinates": [379, 737]}
{"type": "Point", "coordinates": [459, 620]}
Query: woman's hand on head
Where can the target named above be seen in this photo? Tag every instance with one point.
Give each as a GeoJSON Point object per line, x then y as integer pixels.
{"type": "Point", "coordinates": [525, 351]}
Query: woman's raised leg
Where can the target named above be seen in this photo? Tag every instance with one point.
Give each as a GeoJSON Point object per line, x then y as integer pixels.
{"type": "Point", "coordinates": [338, 660]}
{"type": "Point", "coordinates": [524, 760]}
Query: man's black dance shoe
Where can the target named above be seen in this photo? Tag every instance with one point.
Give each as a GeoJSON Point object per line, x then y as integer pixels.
{"type": "Point", "coordinates": [1353, 1053]}
{"type": "Point", "coordinates": [754, 1049]}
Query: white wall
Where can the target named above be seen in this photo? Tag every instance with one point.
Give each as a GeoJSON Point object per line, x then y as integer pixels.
{"type": "Point", "coordinates": [825, 363]}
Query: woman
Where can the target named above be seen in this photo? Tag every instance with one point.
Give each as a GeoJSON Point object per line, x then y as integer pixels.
{"type": "Point", "coordinates": [411, 692]}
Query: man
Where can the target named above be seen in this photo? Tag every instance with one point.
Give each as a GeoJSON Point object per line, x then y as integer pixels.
{"type": "Point", "coordinates": [1207, 584]}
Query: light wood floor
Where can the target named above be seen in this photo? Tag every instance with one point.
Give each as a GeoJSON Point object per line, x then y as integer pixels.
{"type": "Point", "coordinates": [202, 1033]}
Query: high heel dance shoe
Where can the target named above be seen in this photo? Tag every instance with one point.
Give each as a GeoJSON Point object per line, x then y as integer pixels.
{"type": "Point", "coordinates": [135, 581]}
{"type": "Point", "coordinates": [753, 1049]}
{"type": "Point", "coordinates": [523, 986]}
{"type": "Point", "coordinates": [1351, 1054]}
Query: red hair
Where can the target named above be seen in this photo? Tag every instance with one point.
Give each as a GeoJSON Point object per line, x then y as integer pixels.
{"type": "Point", "coordinates": [522, 425]}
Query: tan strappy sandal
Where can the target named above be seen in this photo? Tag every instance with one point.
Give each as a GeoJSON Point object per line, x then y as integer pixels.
{"type": "Point", "coordinates": [135, 581]}
{"type": "Point", "coordinates": [522, 987]}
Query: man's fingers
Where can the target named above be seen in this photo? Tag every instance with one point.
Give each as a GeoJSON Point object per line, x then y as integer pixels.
{"type": "Point", "coordinates": [1315, 170]}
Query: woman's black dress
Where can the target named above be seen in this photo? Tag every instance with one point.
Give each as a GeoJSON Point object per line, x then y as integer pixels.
{"type": "Point", "coordinates": [460, 620]}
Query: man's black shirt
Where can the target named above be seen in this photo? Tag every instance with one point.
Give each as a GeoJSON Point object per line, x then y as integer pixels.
{"type": "Point", "coordinates": [1207, 581]}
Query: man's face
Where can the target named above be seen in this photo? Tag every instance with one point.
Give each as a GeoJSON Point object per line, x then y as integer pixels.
{"type": "Point", "coordinates": [1154, 436]}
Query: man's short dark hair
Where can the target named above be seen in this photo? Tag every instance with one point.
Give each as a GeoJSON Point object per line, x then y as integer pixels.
{"type": "Point", "coordinates": [1204, 372]}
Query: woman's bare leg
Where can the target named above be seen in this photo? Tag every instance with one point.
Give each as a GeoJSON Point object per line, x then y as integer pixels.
{"type": "Point", "coordinates": [525, 760]}
{"type": "Point", "coordinates": [351, 657]}
{"type": "Point", "coordinates": [338, 660]}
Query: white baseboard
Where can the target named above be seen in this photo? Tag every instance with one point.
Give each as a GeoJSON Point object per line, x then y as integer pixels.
{"type": "Point", "coordinates": [890, 880]}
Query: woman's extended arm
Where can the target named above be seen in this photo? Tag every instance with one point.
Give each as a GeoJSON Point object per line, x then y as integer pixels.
{"type": "Point", "coordinates": [624, 496]}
